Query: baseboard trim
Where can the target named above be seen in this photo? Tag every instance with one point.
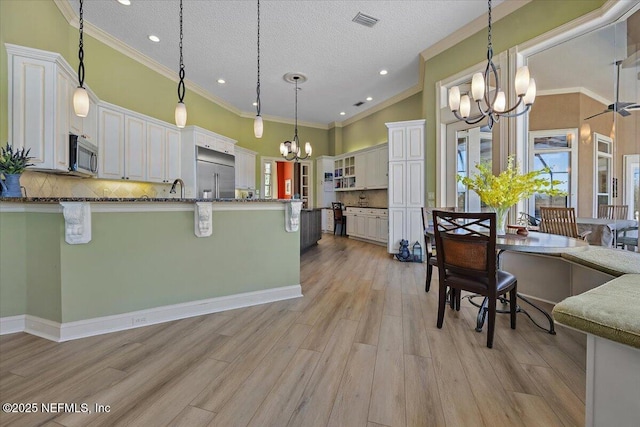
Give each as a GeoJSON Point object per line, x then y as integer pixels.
{"type": "Point", "coordinates": [61, 332]}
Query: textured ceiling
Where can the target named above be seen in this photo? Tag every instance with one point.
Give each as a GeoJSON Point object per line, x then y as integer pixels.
{"type": "Point", "coordinates": [317, 38]}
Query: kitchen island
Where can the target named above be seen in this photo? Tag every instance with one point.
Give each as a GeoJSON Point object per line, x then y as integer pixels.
{"type": "Point", "coordinates": [146, 261]}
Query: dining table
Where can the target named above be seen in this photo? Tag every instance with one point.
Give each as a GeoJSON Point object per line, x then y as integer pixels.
{"type": "Point", "coordinates": [603, 230]}
{"type": "Point", "coordinates": [533, 242]}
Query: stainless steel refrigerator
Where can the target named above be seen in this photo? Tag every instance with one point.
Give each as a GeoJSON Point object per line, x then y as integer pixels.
{"type": "Point", "coordinates": [215, 172]}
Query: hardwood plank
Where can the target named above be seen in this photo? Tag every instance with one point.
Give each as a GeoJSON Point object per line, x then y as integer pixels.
{"type": "Point", "coordinates": [314, 407]}
{"type": "Point", "coordinates": [324, 327]}
{"type": "Point", "coordinates": [413, 330]}
{"type": "Point", "coordinates": [572, 375]}
{"type": "Point", "coordinates": [392, 302]}
{"type": "Point", "coordinates": [192, 417]}
{"type": "Point", "coordinates": [387, 395]}
{"type": "Point", "coordinates": [369, 325]}
{"type": "Point", "coordinates": [357, 302]}
{"type": "Point", "coordinates": [243, 404]}
{"type": "Point", "coordinates": [566, 405]}
{"type": "Point", "coordinates": [280, 403]}
{"type": "Point", "coordinates": [534, 411]}
{"type": "Point", "coordinates": [351, 405]}
{"type": "Point", "coordinates": [423, 404]}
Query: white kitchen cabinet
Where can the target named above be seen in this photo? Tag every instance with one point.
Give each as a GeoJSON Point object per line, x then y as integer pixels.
{"type": "Point", "coordinates": [40, 91]}
{"type": "Point", "coordinates": [367, 224]}
{"type": "Point", "coordinates": [330, 219]}
{"type": "Point", "coordinates": [163, 154]}
{"type": "Point", "coordinates": [325, 182]}
{"type": "Point", "coordinates": [365, 169]}
{"type": "Point", "coordinates": [135, 149]}
{"type": "Point", "coordinates": [111, 144]}
{"type": "Point", "coordinates": [406, 183]}
{"type": "Point", "coordinates": [245, 168]}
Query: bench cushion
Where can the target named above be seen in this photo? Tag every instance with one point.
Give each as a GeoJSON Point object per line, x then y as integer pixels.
{"type": "Point", "coordinates": [610, 311]}
{"type": "Point", "coordinates": [615, 262]}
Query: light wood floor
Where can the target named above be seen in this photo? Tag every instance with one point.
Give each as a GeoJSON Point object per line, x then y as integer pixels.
{"type": "Point", "coordinates": [360, 349]}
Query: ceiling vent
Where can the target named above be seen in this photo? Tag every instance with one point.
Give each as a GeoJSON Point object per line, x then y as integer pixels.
{"type": "Point", "coordinates": [366, 20]}
{"type": "Point", "coordinates": [359, 103]}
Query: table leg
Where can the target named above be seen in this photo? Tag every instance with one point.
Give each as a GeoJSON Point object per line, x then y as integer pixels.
{"type": "Point", "coordinates": [482, 312]}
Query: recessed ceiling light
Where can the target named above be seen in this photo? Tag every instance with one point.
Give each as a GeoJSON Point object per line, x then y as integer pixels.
{"type": "Point", "coordinates": [383, 72]}
{"type": "Point", "coordinates": [221, 81]}
{"type": "Point", "coordinates": [154, 39]}
{"type": "Point", "coordinates": [369, 98]}
{"type": "Point", "coordinates": [125, 2]}
{"type": "Point", "coordinates": [255, 104]}
{"type": "Point", "coordinates": [342, 113]}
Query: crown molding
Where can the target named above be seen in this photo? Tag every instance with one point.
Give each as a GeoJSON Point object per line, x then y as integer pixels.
{"type": "Point", "coordinates": [284, 120]}
{"type": "Point", "coordinates": [583, 90]}
{"type": "Point", "coordinates": [500, 11]}
{"type": "Point", "coordinates": [106, 38]}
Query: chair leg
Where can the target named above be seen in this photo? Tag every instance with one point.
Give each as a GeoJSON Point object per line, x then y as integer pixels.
{"type": "Point", "coordinates": [491, 311]}
{"type": "Point", "coordinates": [458, 298]}
{"type": "Point", "coordinates": [334, 228]}
{"type": "Point", "coordinates": [427, 284]}
{"type": "Point", "coordinates": [442, 302]}
{"type": "Point", "coordinates": [513, 297]}
{"type": "Point", "coordinates": [452, 297]}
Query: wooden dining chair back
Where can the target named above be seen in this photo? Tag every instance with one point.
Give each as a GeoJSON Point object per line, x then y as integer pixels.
{"type": "Point", "coordinates": [339, 218]}
{"type": "Point", "coordinates": [561, 221]}
{"type": "Point", "coordinates": [467, 261]}
{"type": "Point", "coordinates": [613, 211]}
{"type": "Point", "coordinates": [427, 220]}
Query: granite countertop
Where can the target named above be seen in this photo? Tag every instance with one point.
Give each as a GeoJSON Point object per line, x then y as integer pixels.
{"type": "Point", "coordinates": [130, 200]}
{"type": "Point", "coordinates": [367, 207]}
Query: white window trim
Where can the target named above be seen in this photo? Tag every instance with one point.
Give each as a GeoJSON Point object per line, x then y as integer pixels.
{"type": "Point", "coordinates": [597, 137]}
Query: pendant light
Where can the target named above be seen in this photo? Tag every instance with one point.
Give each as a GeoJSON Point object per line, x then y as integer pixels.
{"type": "Point", "coordinates": [494, 106]}
{"type": "Point", "coordinates": [257, 123]}
{"type": "Point", "coordinates": [80, 96]}
{"type": "Point", "coordinates": [290, 150]}
{"type": "Point", "coordinates": [181, 109]}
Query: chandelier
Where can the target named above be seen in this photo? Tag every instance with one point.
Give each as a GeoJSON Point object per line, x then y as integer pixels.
{"type": "Point", "coordinates": [80, 96]}
{"type": "Point", "coordinates": [257, 122]}
{"type": "Point", "coordinates": [492, 106]}
{"type": "Point", "coordinates": [290, 150]}
{"type": "Point", "coordinates": [181, 109]}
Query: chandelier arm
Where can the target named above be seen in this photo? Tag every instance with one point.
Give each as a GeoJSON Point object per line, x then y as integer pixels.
{"type": "Point", "coordinates": [491, 69]}
{"type": "Point", "coordinates": [469, 120]}
{"type": "Point", "coordinates": [510, 110]}
{"type": "Point", "coordinates": [484, 112]}
{"type": "Point", "coordinates": [526, 109]}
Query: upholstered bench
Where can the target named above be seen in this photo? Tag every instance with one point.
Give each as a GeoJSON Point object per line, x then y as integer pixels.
{"type": "Point", "coordinates": [614, 262]}
{"type": "Point", "coordinates": [610, 315]}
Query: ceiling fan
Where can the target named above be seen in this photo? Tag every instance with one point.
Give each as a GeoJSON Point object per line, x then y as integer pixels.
{"type": "Point", "coordinates": [621, 108]}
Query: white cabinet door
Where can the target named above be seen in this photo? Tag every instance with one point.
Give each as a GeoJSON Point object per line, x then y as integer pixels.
{"type": "Point", "coordinates": [33, 103]}
{"type": "Point", "coordinates": [155, 153]}
{"type": "Point", "coordinates": [371, 228]}
{"type": "Point", "coordinates": [415, 142]}
{"type": "Point", "coordinates": [250, 165]}
{"type": "Point", "coordinates": [382, 168]}
{"type": "Point", "coordinates": [415, 232]}
{"type": "Point", "coordinates": [240, 170]}
{"type": "Point", "coordinates": [361, 171]}
{"type": "Point", "coordinates": [361, 224]}
{"type": "Point", "coordinates": [135, 158]}
{"type": "Point", "coordinates": [111, 144]}
{"type": "Point", "coordinates": [397, 219]}
{"type": "Point", "coordinates": [330, 220]}
{"type": "Point", "coordinates": [371, 179]}
{"type": "Point", "coordinates": [172, 155]}
{"type": "Point", "coordinates": [397, 187]}
{"type": "Point", "coordinates": [415, 184]}
{"type": "Point", "coordinates": [351, 225]}
{"type": "Point", "coordinates": [397, 146]}
{"type": "Point", "coordinates": [90, 123]}
{"type": "Point", "coordinates": [382, 225]}
{"type": "Point", "coordinates": [61, 137]}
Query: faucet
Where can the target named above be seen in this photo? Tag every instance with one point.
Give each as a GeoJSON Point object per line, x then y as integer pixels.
{"type": "Point", "coordinates": [173, 187]}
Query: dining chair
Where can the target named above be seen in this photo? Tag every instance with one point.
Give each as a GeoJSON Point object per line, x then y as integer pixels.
{"type": "Point", "coordinates": [561, 221]}
{"type": "Point", "coordinates": [467, 261]}
{"type": "Point", "coordinates": [430, 251]}
{"type": "Point", "coordinates": [339, 218]}
{"type": "Point", "coordinates": [613, 211]}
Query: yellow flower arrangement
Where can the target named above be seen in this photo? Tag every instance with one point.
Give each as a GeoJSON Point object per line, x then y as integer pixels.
{"type": "Point", "coordinates": [509, 187]}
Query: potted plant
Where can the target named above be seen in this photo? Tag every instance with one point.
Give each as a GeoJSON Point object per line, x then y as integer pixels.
{"type": "Point", "coordinates": [12, 163]}
{"type": "Point", "coordinates": [508, 188]}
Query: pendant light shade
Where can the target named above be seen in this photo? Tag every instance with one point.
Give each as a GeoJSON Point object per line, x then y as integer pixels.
{"type": "Point", "coordinates": [81, 102]}
{"type": "Point", "coordinates": [181, 109]}
{"type": "Point", "coordinates": [257, 123]}
{"type": "Point", "coordinates": [181, 115]}
{"type": "Point", "coordinates": [80, 96]}
{"type": "Point", "coordinates": [258, 127]}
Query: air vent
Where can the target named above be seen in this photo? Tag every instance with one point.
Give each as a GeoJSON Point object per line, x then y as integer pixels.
{"type": "Point", "coordinates": [359, 103]}
{"type": "Point", "coordinates": [366, 20]}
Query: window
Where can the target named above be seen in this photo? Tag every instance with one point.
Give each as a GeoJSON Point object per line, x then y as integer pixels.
{"type": "Point", "coordinates": [473, 147]}
{"type": "Point", "coordinates": [555, 149]}
{"type": "Point", "coordinates": [602, 171]}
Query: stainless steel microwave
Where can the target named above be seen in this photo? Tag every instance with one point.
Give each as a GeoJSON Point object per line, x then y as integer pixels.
{"type": "Point", "coordinates": [83, 156]}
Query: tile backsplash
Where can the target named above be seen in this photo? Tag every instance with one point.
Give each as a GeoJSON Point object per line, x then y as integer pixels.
{"type": "Point", "coordinates": [372, 198]}
{"type": "Point", "coordinates": [41, 184]}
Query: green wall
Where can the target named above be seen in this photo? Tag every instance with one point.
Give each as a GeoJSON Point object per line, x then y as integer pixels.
{"type": "Point", "coordinates": [137, 261]}
{"type": "Point", "coordinates": [527, 22]}
{"type": "Point", "coordinates": [371, 130]}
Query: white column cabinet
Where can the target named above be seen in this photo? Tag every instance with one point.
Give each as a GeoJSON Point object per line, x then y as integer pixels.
{"type": "Point", "coordinates": [135, 142]}
{"type": "Point", "coordinates": [406, 183]}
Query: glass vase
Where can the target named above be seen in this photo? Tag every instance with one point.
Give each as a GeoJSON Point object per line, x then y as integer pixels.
{"type": "Point", "coordinates": [501, 220]}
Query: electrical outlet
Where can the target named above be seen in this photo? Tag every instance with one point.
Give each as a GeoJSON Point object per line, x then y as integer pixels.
{"type": "Point", "coordinates": [140, 320]}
